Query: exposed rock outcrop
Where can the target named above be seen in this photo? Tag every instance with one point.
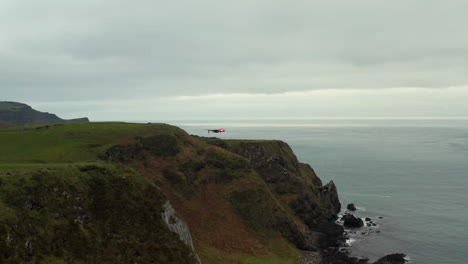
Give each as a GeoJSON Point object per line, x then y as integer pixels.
{"type": "Point", "coordinates": [24, 115]}
{"type": "Point", "coordinates": [351, 207]}
{"type": "Point", "coordinates": [177, 225]}
{"type": "Point", "coordinates": [350, 220]}
{"type": "Point", "coordinates": [329, 194]}
{"type": "Point", "coordinates": [392, 259]}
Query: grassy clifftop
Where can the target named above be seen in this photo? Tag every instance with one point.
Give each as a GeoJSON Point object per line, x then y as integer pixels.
{"type": "Point", "coordinates": [244, 201]}
{"type": "Point", "coordinates": [69, 143]}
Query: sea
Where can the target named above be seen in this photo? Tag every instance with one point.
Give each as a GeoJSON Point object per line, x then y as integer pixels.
{"type": "Point", "coordinates": [409, 176]}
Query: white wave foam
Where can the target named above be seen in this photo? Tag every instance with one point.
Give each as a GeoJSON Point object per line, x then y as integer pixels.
{"type": "Point", "coordinates": [350, 241]}
{"type": "Point", "coordinates": [366, 222]}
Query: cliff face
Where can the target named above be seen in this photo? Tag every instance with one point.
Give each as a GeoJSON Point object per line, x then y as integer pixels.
{"type": "Point", "coordinates": [258, 186]}
{"type": "Point", "coordinates": [24, 115]}
{"type": "Point", "coordinates": [227, 201]}
{"type": "Point", "coordinates": [295, 185]}
{"type": "Point", "coordinates": [177, 225]}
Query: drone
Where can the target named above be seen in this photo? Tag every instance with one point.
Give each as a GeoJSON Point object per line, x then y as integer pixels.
{"type": "Point", "coordinates": [220, 130]}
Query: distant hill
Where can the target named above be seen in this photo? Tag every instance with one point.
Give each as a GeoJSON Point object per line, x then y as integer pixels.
{"type": "Point", "coordinates": [24, 115]}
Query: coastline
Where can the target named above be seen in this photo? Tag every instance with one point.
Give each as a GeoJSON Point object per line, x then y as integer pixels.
{"type": "Point", "coordinates": [226, 176]}
{"type": "Point", "coordinates": [341, 253]}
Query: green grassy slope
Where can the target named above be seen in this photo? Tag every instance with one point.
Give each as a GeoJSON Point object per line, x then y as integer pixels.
{"type": "Point", "coordinates": [67, 143]}
{"type": "Point", "coordinates": [88, 214]}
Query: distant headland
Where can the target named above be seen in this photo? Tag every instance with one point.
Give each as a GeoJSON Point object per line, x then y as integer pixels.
{"type": "Point", "coordinates": [14, 113]}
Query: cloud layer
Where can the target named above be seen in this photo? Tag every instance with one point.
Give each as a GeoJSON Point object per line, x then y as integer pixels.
{"type": "Point", "coordinates": [54, 50]}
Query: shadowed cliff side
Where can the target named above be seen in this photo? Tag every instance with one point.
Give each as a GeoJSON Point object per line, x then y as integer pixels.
{"type": "Point", "coordinates": [238, 196]}
{"type": "Point", "coordinates": [295, 184]}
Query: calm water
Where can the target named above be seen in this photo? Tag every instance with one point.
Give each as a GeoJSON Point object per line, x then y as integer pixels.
{"type": "Point", "coordinates": [412, 173]}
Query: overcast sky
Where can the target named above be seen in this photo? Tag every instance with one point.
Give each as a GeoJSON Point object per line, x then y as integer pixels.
{"type": "Point", "coordinates": [204, 59]}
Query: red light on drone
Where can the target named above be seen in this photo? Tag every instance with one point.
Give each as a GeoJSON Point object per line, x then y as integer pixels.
{"type": "Point", "coordinates": [221, 130]}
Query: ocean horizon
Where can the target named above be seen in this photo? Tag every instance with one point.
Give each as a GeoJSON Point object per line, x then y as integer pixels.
{"type": "Point", "coordinates": [408, 176]}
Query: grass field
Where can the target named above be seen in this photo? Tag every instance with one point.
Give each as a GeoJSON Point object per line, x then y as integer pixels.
{"type": "Point", "coordinates": [68, 143]}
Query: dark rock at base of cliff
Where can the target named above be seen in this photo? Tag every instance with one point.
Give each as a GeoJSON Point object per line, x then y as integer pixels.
{"type": "Point", "coordinates": [310, 257]}
{"type": "Point", "coordinates": [350, 220]}
{"type": "Point", "coordinates": [333, 235]}
{"type": "Point", "coordinates": [396, 258]}
{"type": "Point", "coordinates": [341, 256]}
{"type": "Point", "coordinates": [351, 207]}
{"type": "Point", "coordinates": [330, 194]}
{"type": "Point", "coordinates": [335, 256]}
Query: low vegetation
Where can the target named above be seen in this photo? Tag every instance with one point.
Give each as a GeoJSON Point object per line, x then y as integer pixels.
{"type": "Point", "coordinates": [84, 214]}
{"type": "Point", "coordinates": [70, 143]}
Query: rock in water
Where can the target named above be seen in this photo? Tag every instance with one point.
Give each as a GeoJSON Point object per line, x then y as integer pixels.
{"type": "Point", "coordinates": [351, 221]}
{"type": "Point", "coordinates": [351, 207]}
{"type": "Point", "coordinates": [392, 259]}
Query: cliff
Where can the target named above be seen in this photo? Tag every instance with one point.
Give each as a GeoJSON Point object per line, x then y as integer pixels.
{"type": "Point", "coordinates": [295, 185]}
{"type": "Point", "coordinates": [23, 115]}
{"type": "Point", "coordinates": [118, 193]}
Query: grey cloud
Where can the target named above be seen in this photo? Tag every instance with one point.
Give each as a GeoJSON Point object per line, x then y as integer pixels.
{"type": "Point", "coordinates": [54, 50]}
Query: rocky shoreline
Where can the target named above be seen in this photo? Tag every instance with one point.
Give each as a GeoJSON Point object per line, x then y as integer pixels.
{"type": "Point", "coordinates": [337, 257]}
{"type": "Point", "coordinates": [340, 254]}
